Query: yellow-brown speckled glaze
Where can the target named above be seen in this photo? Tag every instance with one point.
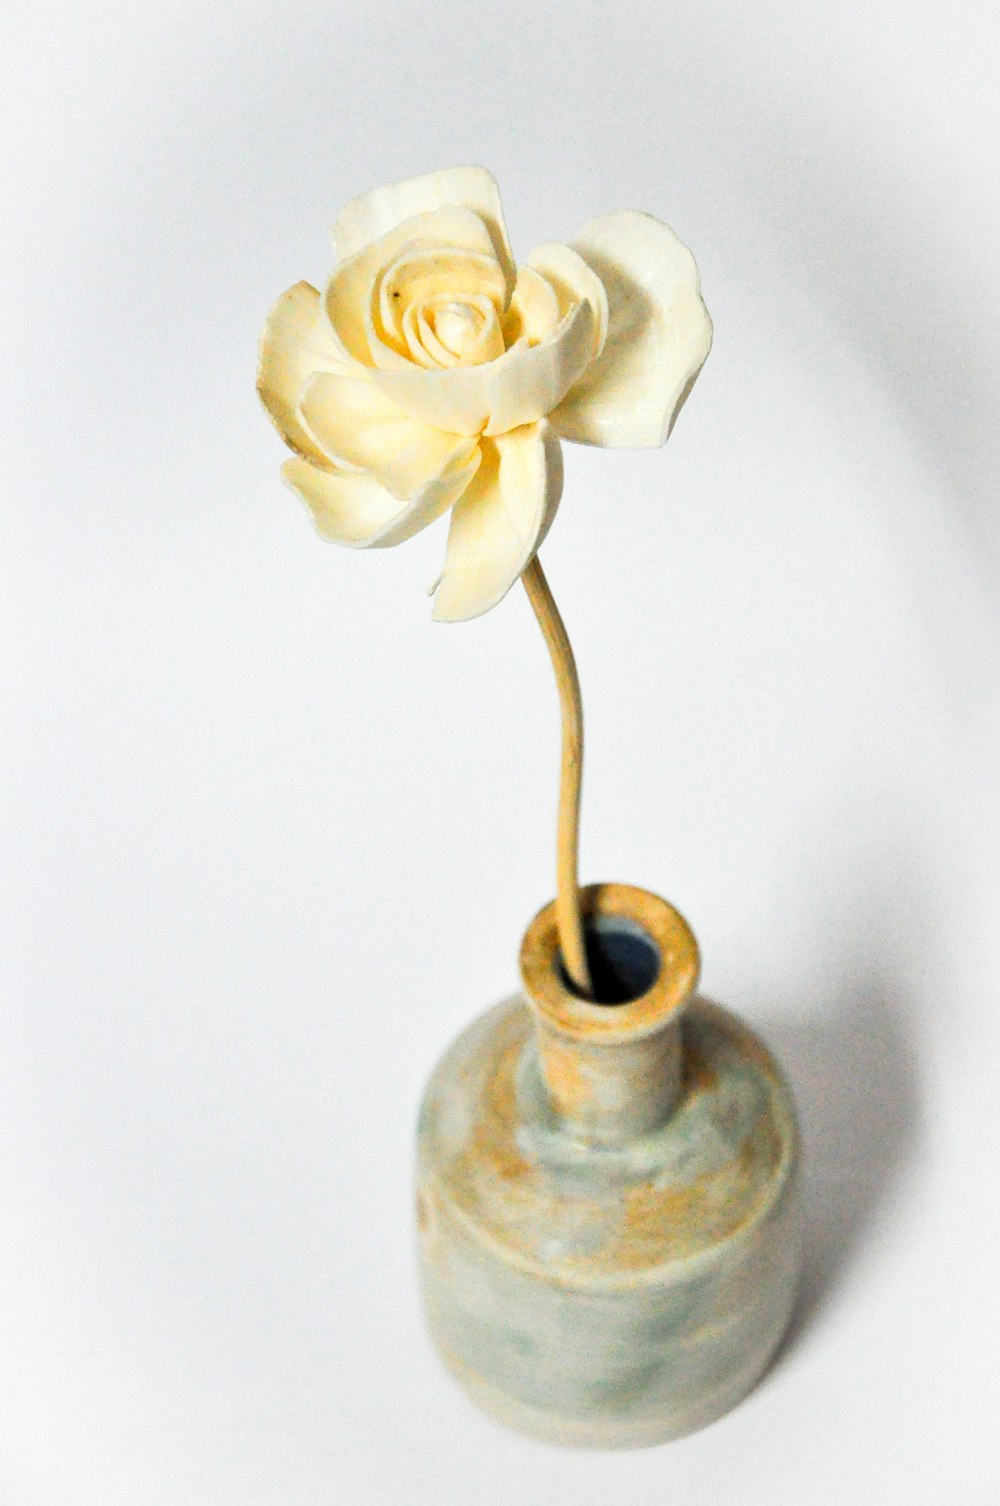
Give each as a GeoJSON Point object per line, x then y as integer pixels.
{"type": "Point", "coordinates": [606, 1200]}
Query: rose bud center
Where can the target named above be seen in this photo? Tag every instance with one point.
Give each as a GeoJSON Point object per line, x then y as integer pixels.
{"type": "Point", "coordinates": [458, 326]}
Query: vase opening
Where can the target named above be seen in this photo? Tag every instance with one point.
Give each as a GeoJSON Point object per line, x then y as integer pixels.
{"type": "Point", "coordinates": [623, 959]}
{"type": "Point", "coordinates": [643, 961]}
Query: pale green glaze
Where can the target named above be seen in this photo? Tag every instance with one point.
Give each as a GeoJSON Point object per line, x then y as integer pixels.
{"type": "Point", "coordinates": [607, 1294]}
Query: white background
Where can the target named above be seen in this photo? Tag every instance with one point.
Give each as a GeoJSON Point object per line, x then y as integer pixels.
{"type": "Point", "coordinates": [270, 836]}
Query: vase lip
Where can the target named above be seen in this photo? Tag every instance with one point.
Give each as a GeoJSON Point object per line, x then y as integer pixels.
{"type": "Point", "coordinates": [555, 1003]}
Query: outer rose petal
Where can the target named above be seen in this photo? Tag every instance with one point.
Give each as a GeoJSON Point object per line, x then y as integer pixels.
{"type": "Point", "coordinates": [574, 282]}
{"type": "Point", "coordinates": [534, 311]}
{"type": "Point", "coordinates": [500, 522]}
{"type": "Point", "coordinates": [659, 334]}
{"type": "Point", "coordinates": [518, 388]}
{"type": "Point", "coordinates": [358, 430]}
{"type": "Point", "coordinates": [354, 510]}
{"type": "Point", "coordinates": [370, 215]}
{"type": "Point", "coordinates": [295, 342]}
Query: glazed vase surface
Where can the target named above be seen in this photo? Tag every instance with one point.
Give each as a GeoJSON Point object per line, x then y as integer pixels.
{"type": "Point", "coordinates": [607, 1193]}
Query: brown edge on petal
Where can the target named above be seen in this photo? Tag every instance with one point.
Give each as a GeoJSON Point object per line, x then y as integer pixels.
{"type": "Point", "coordinates": [557, 1006]}
{"type": "Point", "coordinates": [305, 448]}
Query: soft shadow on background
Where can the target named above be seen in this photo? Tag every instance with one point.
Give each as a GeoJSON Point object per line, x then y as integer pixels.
{"type": "Point", "coordinates": [853, 1043]}
{"type": "Point", "coordinates": [853, 1071]}
{"type": "Point", "coordinates": [855, 1079]}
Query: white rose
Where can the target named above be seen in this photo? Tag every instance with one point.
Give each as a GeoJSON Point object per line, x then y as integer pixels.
{"type": "Point", "coordinates": [434, 373]}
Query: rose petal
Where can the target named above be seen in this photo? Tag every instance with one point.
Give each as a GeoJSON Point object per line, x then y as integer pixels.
{"type": "Point", "coordinates": [370, 215]}
{"type": "Point", "coordinates": [355, 511]}
{"type": "Point", "coordinates": [534, 311]}
{"type": "Point", "coordinates": [659, 334]}
{"type": "Point", "coordinates": [295, 342]}
{"type": "Point", "coordinates": [500, 521]}
{"type": "Point", "coordinates": [347, 509]}
{"type": "Point", "coordinates": [537, 378]}
{"type": "Point", "coordinates": [518, 388]}
{"type": "Point", "coordinates": [573, 282]}
{"type": "Point", "coordinates": [357, 429]}
{"type": "Point", "coordinates": [348, 297]}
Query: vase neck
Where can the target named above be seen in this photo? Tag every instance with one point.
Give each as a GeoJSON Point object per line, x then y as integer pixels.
{"type": "Point", "coordinates": [612, 1070]}
{"type": "Point", "coordinates": [609, 1093]}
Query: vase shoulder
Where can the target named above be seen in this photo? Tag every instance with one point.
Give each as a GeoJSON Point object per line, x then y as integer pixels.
{"type": "Point", "coordinates": [495, 1157]}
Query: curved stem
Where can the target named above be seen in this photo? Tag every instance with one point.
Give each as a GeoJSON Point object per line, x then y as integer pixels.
{"type": "Point", "coordinates": [571, 942]}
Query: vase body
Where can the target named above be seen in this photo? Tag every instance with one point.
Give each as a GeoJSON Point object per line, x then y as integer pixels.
{"type": "Point", "coordinates": [606, 1194]}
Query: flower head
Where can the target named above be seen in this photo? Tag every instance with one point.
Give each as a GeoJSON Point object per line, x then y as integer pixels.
{"type": "Point", "coordinates": [434, 373]}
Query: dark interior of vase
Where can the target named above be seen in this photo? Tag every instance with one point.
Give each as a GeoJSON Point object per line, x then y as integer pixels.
{"type": "Point", "coordinates": [624, 962]}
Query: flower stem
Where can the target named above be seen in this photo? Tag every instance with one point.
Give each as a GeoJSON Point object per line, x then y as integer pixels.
{"type": "Point", "coordinates": [571, 942]}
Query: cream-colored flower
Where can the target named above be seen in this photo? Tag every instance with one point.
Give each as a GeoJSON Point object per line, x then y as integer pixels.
{"type": "Point", "coordinates": [435, 373]}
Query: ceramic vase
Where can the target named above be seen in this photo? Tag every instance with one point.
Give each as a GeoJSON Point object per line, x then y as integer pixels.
{"type": "Point", "coordinates": [606, 1192]}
